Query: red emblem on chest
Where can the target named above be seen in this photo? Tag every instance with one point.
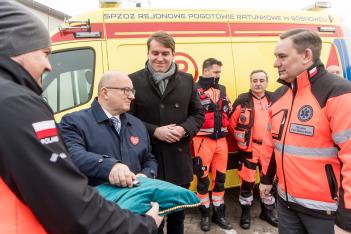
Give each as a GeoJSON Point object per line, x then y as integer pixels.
{"type": "Point", "coordinates": [134, 140]}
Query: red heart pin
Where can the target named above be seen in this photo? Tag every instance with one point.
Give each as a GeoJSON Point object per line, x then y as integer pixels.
{"type": "Point", "coordinates": [134, 140]}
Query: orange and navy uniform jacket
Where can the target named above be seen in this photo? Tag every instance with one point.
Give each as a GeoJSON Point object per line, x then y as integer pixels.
{"type": "Point", "coordinates": [308, 143]}
{"type": "Point", "coordinates": [217, 107]}
{"type": "Point", "coordinates": [245, 125]}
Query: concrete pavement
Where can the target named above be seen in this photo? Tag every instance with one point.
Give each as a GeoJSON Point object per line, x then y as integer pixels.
{"type": "Point", "coordinates": [233, 212]}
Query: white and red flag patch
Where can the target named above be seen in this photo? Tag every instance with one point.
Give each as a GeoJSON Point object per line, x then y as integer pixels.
{"type": "Point", "coordinates": [313, 72]}
{"type": "Point", "coordinates": [45, 129]}
{"type": "Point", "coordinates": [134, 140]}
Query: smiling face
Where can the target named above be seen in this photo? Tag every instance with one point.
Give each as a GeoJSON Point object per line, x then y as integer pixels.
{"type": "Point", "coordinates": [113, 96]}
{"type": "Point", "coordinates": [288, 61]}
{"type": "Point", "coordinates": [160, 57]}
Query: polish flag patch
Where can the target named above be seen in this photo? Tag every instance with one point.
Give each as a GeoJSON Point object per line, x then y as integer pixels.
{"type": "Point", "coordinates": [313, 72]}
{"type": "Point", "coordinates": [45, 129]}
{"type": "Point", "coordinates": [134, 140]}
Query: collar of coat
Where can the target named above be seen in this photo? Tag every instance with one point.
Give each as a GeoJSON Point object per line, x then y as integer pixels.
{"type": "Point", "coordinates": [100, 115]}
{"type": "Point", "coordinates": [172, 82]}
{"type": "Point", "coordinates": [208, 82]}
{"type": "Point", "coordinates": [303, 80]}
{"type": "Point", "coordinates": [12, 71]}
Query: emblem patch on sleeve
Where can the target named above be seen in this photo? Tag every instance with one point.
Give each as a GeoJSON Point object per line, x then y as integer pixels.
{"type": "Point", "coordinates": [46, 131]}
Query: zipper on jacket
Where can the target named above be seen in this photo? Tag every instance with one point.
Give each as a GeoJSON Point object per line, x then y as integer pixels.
{"type": "Point", "coordinates": [332, 182]}
{"type": "Point", "coordinates": [283, 146]}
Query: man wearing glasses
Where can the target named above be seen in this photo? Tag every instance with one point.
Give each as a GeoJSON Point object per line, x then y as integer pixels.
{"type": "Point", "coordinates": [106, 143]}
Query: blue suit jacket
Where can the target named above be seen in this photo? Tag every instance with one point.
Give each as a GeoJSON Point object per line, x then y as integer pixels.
{"type": "Point", "coordinates": [95, 146]}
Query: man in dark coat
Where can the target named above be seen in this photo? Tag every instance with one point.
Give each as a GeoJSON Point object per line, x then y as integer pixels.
{"type": "Point", "coordinates": [167, 101]}
{"type": "Point", "coordinates": [43, 188]}
{"type": "Point", "coordinates": [107, 144]}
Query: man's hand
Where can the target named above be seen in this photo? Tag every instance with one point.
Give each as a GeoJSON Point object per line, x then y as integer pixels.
{"type": "Point", "coordinates": [178, 131]}
{"type": "Point", "coordinates": [338, 230]}
{"type": "Point", "coordinates": [265, 190]}
{"type": "Point", "coordinates": [153, 212]}
{"type": "Point", "coordinates": [167, 133]}
{"type": "Point", "coordinates": [120, 175]}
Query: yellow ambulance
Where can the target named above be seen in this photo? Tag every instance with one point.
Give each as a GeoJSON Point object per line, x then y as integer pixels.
{"type": "Point", "coordinates": [115, 39]}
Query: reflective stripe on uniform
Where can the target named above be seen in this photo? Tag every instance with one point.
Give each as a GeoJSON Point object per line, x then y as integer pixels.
{"type": "Point", "coordinates": [341, 137]}
{"type": "Point", "coordinates": [269, 127]}
{"type": "Point", "coordinates": [268, 200]}
{"type": "Point", "coordinates": [245, 200]}
{"type": "Point", "coordinates": [239, 135]}
{"type": "Point", "coordinates": [307, 152]}
{"type": "Point", "coordinates": [210, 130]}
{"type": "Point", "coordinates": [311, 204]}
{"type": "Point", "coordinates": [205, 200]}
{"type": "Point", "coordinates": [217, 200]}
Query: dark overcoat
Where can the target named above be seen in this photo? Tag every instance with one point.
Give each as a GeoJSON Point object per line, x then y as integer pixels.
{"type": "Point", "coordinates": [180, 105]}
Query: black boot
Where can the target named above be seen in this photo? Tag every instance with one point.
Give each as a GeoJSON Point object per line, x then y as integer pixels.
{"type": "Point", "coordinates": [245, 218]}
{"type": "Point", "coordinates": [205, 223]}
{"type": "Point", "coordinates": [268, 214]}
{"type": "Point", "coordinates": [218, 217]}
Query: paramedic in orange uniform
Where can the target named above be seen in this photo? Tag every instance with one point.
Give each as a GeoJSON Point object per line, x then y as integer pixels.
{"type": "Point", "coordinates": [308, 140]}
{"type": "Point", "coordinates": [210, 145]}
{"type": "Point", "coordinates": [247, 124]}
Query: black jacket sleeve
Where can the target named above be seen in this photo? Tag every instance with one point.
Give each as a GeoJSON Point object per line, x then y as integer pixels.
{"type": "Point", "coordinates": [196, 114]}
{"type": "Point", "coordinates": [150, 127]}
{"type": "Point", "coordinates": [40, 172]}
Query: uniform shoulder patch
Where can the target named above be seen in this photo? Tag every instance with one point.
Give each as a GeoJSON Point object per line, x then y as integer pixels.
{"type": "Point", "coordinates": [46, 131]}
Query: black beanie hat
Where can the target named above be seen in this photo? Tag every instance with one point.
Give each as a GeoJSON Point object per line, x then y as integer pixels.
{"type": "Point", "coordinates": [20, 30]}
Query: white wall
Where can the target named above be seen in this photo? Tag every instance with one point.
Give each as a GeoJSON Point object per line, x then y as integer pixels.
{"type": "Point", "coordinates": [50, 21]}
{"type": "Point", "coordinates": [46, 14]}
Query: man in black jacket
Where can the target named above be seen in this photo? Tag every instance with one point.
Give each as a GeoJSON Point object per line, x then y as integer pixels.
{"type": "Point", "coordinates": [167, 101]}
{"type": "Point", "coordinates": [35, 168]}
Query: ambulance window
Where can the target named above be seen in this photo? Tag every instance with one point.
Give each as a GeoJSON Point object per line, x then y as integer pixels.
{"type": "Point", "coordinates": [70, 82]}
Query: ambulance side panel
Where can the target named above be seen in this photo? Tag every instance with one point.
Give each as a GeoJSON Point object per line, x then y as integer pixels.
{"type": "Point", "coordinates": [242, 40]}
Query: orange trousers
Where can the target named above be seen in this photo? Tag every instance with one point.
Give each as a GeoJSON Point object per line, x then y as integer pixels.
{"type": "Point", "coordinates": [210, 153]}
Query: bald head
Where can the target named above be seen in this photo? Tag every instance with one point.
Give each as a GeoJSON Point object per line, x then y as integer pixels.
{"type": "Point", "coordinates": [112, 79]}
{"type": "Point", "coordinates": [334, 69]}
{"type": "Point", "coordinates": [115, 92]}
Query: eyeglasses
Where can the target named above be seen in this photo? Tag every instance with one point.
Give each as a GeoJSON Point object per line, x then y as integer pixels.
{"type": "Point", "coordinates": [126, 90]}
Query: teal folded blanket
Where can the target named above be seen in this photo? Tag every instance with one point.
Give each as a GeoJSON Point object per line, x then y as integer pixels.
{"type": "Point", "coordinates": [170, 197]}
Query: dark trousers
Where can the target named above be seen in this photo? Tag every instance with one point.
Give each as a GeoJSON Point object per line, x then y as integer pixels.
{"type": "Point", "coordinates": [293, 222]}
{"type": "Point", "coordinates": [175, 221]}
